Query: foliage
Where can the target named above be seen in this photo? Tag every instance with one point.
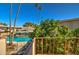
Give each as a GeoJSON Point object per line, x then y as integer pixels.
{"type": "Point", "coordinates": [75, 32]}
{"type": "Point", "coordinates": [29, 24]}
{"type": "Point", "coordinates": [39, 7]}
{"type": "Point", "coordinates": [4, 24]}
{"type": "Point", "coordinates": [51, 28]}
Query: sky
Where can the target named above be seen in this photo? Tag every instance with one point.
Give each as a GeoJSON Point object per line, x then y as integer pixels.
{"type": "Point", "coordinates": [29, 13]}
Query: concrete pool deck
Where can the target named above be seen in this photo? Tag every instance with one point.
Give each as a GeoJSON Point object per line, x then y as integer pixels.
{"type": "Point", "coordinates": [18, 45]}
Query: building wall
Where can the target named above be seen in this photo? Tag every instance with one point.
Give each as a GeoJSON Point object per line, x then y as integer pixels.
{"type": "Point", "coordinates": [71, 24]}
{"type": "Point", "coordinates": [2, 46]}
{"type": "Point", "coordinates": [1, 25]}
{"type": "Point", "coordinates": [3, 37]}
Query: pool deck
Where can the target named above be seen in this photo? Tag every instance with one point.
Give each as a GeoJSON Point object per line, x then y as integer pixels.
{"type": "Point", "coordinates": [25, 50]}
{"type": "Point", "coordinates": [18, 45]}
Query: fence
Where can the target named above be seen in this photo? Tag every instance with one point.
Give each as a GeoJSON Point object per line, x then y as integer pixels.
{"type": "Point", "coordinates": [56, 45]}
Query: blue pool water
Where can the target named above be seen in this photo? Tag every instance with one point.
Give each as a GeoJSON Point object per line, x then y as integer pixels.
{"type": "Point", "coordinates": [21, 39]}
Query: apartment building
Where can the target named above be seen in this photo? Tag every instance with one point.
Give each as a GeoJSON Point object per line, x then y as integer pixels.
{"type": "Point", "coordinates": [71, 23]}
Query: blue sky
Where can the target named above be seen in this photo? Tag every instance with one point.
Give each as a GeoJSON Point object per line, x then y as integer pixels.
{"type": "Point", "coordinates": [28, 12]}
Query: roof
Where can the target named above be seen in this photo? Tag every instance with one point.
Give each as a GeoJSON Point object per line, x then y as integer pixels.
{"type": "Point", "coordinates": [70, 20]}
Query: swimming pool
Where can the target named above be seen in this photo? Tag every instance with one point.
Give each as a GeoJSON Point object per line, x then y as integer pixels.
{"type": "Point", "coordinates": [20, 39]}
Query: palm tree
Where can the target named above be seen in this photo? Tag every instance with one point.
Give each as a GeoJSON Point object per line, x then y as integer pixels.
{"type": "Point", "coordinates": [10, 21]}
{"type": "Point", "coordinates": [16, 17]}
{"type": "Point", "coordinates": [14, 22]}
{"type": "Point", "coordinates": [39, 7]}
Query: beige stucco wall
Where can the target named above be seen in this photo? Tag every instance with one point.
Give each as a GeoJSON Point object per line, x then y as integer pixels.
{"type": "Point", "coordinates": [2, 46]}
{"type": "Point", "coordinates": [4, 34]}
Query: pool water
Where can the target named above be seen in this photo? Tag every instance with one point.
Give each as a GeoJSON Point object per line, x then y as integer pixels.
{"type": "Point", "coordinates": [20, 39]}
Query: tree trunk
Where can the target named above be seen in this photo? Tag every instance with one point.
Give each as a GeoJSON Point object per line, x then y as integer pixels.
{"type": "Point", "coordinates": [15, 21]}
{"type": "Point", "coordinates": [10, 39]}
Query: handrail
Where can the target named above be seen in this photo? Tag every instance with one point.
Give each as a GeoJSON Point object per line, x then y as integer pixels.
{"type": "Point", "coordinates": [57, 37]}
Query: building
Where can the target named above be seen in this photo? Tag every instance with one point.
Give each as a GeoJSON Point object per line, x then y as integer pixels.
{"type": "Point", "coordinates": [71, 23]}
{"type": "Point", "coordinates": [27, 29]}
{"type": "Point", "coordinates": [19, 31]}
{"type": "Point", "coordinates": [1, 25]}
{"type": "Point", "coordinates": [23, 31]}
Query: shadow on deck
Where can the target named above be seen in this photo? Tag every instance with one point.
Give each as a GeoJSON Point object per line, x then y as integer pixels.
{"type": "Point", "coordinates": [25, 50]}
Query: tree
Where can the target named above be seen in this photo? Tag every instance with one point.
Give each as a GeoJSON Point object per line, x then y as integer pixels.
{"type": "Point", "coordinates": [11, 39]}
{"type": "Point", "coordinates": [10, 22]}
{"type": "Point", "coordinates": [39, 7]}
{"type": "Point", "coordinates": [29, 24]}
{"type": "Point", "coordinates": [4, 24]}
{"type": "Point", "coordinates": [75, 33]}
{"type": "Point", "coordinates": [46, 29]}
{"type": "Point", "coordinates": [16, 17]}
{"type": "Point", "coordinates": [51, 28]}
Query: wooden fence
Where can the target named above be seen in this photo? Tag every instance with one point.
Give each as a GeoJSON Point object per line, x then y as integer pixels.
{"type": "Point", "coordinates": [55, 46]}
